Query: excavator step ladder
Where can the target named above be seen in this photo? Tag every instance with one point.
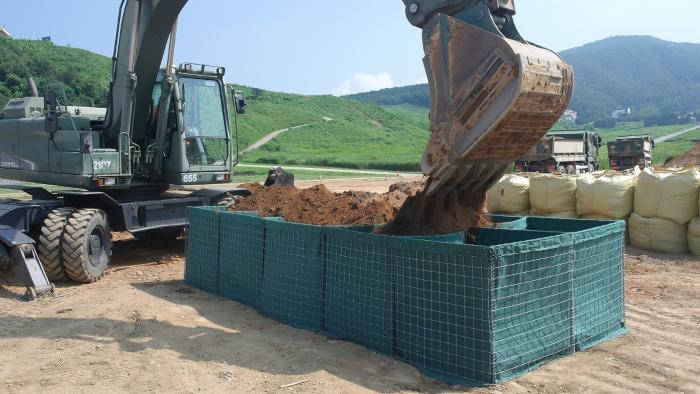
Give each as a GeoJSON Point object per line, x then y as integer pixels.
{"type": "Point", "coordinates": [25, 263]}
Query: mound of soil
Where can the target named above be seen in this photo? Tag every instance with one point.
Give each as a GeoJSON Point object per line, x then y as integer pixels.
{"type": "Point", "coordinates": [691, 157]}
{"type": "Point", "coordinates": [319, 206]}
{"type": "Point", "coordinates": [404, 210]}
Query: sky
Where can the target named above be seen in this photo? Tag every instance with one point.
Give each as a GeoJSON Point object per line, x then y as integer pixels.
{"type": "Point", "coordinates": [336, 47]}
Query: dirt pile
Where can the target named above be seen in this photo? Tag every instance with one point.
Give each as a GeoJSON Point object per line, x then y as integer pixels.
{"type": "Point", "coordinates": [319, 206]}
{"type": "Point", "coordinates": [404, 210]}
{"type": "Point", "coordinates": [691, 157]}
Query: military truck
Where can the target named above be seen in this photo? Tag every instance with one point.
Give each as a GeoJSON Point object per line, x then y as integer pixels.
{"type": "Point", "coordinates": [567, 152]}
{"type": "Point", "coordinates": [628, 152]}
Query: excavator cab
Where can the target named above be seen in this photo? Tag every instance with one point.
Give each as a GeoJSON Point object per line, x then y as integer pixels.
{"type": "Point", "coordinates": [192, 121]}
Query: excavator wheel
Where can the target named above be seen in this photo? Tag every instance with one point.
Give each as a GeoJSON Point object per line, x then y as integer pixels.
{"type": "Point", "coordinates": [4, 258]}
{"type": "Point", "coordinates": [571, 170]}
{"type": "Point", "coordinates": [50, 243]}
{"type": "Point", "coordinates": [87, 245]}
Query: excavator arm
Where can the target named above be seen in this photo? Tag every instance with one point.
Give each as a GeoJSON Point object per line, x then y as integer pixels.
{"type": "Point", "coordinates": [493, 94]}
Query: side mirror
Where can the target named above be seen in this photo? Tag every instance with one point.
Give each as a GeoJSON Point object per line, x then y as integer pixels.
{"type": "Point", "coordinates": [51, 110]}
{"type": "Point", "coordinates": [239, 102]}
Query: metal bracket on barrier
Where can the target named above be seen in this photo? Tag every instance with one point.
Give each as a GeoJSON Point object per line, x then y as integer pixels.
{"type": "Point", "coordinates": [25, 262]}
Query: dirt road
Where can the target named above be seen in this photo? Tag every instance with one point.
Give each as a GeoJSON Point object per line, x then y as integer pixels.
{"type": "Point", "coordinates": [269, 137]}
{"type": "Point", "coordinates": [141, 330]}
{"type": "Point", "coordinates": [669, 137]}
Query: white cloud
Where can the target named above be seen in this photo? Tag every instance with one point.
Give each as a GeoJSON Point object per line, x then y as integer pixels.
{"type": "Point", "coordinates": [364, 83]}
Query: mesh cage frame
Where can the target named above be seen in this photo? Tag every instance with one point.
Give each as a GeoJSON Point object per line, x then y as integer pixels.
{"type": "Point", "coordinates": [535, 289]}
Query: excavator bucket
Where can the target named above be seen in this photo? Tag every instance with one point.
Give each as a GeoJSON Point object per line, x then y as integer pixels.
{"type": "Point", "coordinates": [493, 94]}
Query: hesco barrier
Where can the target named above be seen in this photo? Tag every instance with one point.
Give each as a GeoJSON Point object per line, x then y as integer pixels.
{"type": "Point", "coordinates": [469, 309]}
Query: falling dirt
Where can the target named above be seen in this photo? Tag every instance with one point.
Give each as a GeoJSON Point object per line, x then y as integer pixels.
{"type": "Point", "coordinates": [404, 210]}
{"type": "Point", "coordinates": [444, 212]}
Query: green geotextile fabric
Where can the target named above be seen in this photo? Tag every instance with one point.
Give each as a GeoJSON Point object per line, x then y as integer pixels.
{"type": "Point", "coordinates": [202, 249]}
{"type": "Point", "coordinates": [291, 290]}
{"type": "Point", "coordinates": [242, 254]}
{"type": "Point", "coordinates": [469, 309]}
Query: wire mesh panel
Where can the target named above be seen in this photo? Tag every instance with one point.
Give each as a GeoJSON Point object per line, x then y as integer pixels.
{"type": "Point", "coordinates": [357, 302]}
{"type": "Point", "coordinates": [508, 222]}
{"type": "Point", "coordinates": [242, 258]}
{"type": "Point", "coordinates": [202, 249]}
{"type": "Point", "coordinates": [532, 311]}
{"type": "Point", "coordinates": [291, 290]}
{"type": "Point", "coordinates": [599, 284]}
{"type": "Point", "coordinates": [442, 309]}
{"type": "Point", "coordinates": [499, 236]}
{"type": "Point", "coordinates": [598, 276]}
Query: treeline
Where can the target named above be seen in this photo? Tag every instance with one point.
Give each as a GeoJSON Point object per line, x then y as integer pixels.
{"type": "Point", "coordinates": [413, 95]}
{"type": "Point", "coordinates": [651, 76]}
{"type": "Point", "coordinates": [649, 121]}
{"type": "Point", "coordinates": [85, 75]}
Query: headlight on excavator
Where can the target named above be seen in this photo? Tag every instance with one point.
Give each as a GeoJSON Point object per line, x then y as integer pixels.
{"type": "Point", "coordinates": [106, 182]}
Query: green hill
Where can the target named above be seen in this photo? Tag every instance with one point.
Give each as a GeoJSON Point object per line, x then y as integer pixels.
{"type": "Point", "coordinates": [648, 74]}
{"type": "Point", "coordinates": [353, 134]}
{"type": "Point", "coordinates": [342, 133]}
{"type": "Point", "coordinates": [645, 73]}
{"type": "Point", "coordinates": [85, 75]}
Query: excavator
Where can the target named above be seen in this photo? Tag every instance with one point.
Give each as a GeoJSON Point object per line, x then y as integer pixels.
{"type": "Point", "coordinates": [493, 96]}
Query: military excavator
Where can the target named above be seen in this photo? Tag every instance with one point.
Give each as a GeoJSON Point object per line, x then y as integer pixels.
{"type": "Point", "coordinates": [493, 96]}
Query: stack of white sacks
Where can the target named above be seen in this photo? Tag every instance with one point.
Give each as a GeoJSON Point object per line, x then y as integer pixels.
{"type": "Point", "coordinates": [665, 203]}
{"type": "Point", "coordinates": [661, 207]}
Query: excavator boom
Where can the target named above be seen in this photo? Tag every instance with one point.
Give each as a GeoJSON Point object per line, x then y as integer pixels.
{"type": "Point", "coordinates": [493, 94]}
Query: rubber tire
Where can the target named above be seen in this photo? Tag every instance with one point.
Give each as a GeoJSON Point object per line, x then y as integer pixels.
{"type": "Point", "coordinates": [591, 168]}
{"type": "Point", "coordinates": [561, 170]}
{"type": "Point", "coordinates": [5, 262]}
{"type": "Point", "coordinates": [159, 234]}
{"type": "Point", "coordinates": [570, 170]}
{"type": "Point", "coordinates": [50, 243]}
{"type": "Point", "coordinates": [77, 248]}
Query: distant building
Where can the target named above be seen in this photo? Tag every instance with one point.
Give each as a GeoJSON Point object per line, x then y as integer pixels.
{"type": "Point", "coordinates": [569, 116]}
{"type": "Point", "coordinates": [47, 38]}
{"type": "Point", "coordinates": [4, 32]}
{"type": "Point", "coordinates": [622, 113]}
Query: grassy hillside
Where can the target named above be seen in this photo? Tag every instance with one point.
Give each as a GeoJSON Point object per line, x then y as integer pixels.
{"type": "Point", "coordinates": [340, 132]}
{"type": "Point", "coordinates": [85, 74]}
{"type": "Point", "coordinates": [650, 75]}
{"type": "Point", "coordinates": [353, 134]}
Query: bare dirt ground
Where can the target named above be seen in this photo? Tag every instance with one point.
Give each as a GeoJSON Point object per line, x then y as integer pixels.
{"type": "Point", "coordinates": [141, 330]}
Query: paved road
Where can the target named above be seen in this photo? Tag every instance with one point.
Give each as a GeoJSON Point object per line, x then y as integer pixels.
{"type": "Point", "coordinates": [669, 137]}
